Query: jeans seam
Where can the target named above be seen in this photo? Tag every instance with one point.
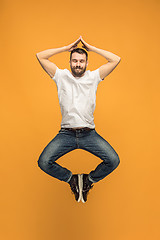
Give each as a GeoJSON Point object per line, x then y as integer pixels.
{"type": "Point", "coordinates": [91, 179]}
{"type": "Point", "coordinates": [69, 178]}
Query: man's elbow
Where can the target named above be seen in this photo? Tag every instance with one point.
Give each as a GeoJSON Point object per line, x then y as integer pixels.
{"type": "Point", "coordinates": [37, 55]}
{"type": "Point", "coordinates": [118, 59]}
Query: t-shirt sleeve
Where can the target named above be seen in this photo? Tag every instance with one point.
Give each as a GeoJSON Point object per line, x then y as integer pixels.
{"type": "Point", "coordinates": [97, 76]}
{"type": "Point", "coordinates": [56, 75]}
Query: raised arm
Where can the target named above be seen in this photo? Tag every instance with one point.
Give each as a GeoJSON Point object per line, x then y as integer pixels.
{"type": "Point", "coordinates": [113, 59]}
{"type": "Point", "coordinates": [49, 66]}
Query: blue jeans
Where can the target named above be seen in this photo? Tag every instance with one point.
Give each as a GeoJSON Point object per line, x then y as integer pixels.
{"type": "Point", "coordinates": [68, 140]}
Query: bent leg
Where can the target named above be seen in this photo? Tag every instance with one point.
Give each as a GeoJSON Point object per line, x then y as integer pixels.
{"type": "Point", "coordinates": [98, 146]}
{"type": "Point", "coordinates": [57, 147]}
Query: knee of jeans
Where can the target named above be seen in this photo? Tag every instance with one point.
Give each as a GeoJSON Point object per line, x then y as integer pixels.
{"type": "Point", "coordinates": [42, 162]}
{"type": "Point", "coordinates": [115, 160]}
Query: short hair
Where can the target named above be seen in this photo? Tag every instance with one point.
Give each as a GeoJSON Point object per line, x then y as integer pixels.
{"type": "Point", "coordinates": [80, 51]}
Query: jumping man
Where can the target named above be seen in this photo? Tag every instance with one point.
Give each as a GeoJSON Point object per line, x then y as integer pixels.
{"type": "Point", "coordinates": [77, 97]}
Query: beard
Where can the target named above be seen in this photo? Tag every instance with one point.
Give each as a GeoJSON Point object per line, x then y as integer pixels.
{"type": "Point", "coordinates": [77, 71]}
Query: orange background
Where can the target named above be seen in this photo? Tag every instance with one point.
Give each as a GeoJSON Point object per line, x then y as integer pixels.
{"type": "Point", "coordinates": [123, 206]}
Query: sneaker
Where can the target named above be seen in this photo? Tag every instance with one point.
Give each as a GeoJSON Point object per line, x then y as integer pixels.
{"type": "Point", "coordinates": [74, 185]}
{"type": "Point", "coordinates": [86, 186]}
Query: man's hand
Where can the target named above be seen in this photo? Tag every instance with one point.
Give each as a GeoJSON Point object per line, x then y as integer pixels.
{"type": "Point", "coordinates": [72, 46]}
{"type": "Point", "coordinates": [86, 45]}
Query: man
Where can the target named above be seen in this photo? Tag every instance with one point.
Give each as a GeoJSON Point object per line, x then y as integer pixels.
{"type": "Point", "coordinates": [77, 98]}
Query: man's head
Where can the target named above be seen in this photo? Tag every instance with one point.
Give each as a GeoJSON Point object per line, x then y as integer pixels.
{"type": "Point", "coordinates": [78, 62]}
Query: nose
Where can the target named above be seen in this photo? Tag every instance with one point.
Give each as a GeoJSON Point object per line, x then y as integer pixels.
{"type": "Point", "coordinates": [78, 64]}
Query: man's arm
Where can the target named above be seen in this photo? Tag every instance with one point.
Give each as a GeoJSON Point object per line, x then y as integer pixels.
{"type": "Point", "coordinates": [43, 56]}
{"type": "Point", "coordinates": [113, 59]}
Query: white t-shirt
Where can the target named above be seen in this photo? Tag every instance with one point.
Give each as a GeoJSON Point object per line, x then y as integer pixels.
{"type": "Point", "coordinates": [77, 97]}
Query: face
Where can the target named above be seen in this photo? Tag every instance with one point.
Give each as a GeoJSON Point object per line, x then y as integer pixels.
{"type": "Point", "coordinates": [78, 64]}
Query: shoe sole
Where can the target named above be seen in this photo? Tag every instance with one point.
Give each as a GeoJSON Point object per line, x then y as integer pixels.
{"type": "Point", "coordinates": [81, 176]}
{"type": "Point", "coordinates": [80, 184]}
